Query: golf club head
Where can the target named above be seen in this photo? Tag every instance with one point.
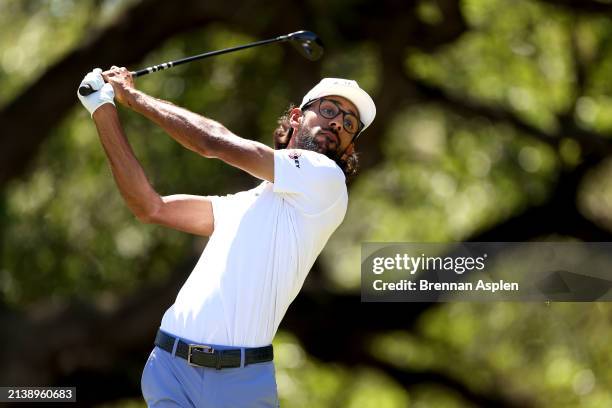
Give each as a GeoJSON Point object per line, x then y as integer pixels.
{"type": "Point", "coordinates": [307, 43]}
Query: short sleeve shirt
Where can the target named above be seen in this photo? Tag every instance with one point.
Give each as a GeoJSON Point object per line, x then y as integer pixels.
{"type": "Point", "coordinates": [264, 243]}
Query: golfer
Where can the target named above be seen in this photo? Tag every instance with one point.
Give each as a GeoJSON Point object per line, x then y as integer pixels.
{"type": "Point", "coordinates": [213, 348]}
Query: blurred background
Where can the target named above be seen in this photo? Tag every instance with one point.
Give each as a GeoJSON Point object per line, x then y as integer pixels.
{"type": "Point", "coordinates": [494, 124]}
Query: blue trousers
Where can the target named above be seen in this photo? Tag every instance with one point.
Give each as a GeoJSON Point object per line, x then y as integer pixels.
{"type": "Point", "coordinates": [169, 381]}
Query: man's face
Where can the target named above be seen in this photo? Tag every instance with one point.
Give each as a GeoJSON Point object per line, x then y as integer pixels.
{"type": "Point", "coordinates": [327, 136]}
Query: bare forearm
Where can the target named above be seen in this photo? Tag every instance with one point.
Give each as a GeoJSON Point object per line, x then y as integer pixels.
{"type": "Point", "coordinates": [129, 175]}
{"type": "Point", "coordinates": [195, 132]}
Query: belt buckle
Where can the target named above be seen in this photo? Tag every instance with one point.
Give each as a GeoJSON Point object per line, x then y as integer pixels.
{"type": "Point", "coordinates": [198, 347]}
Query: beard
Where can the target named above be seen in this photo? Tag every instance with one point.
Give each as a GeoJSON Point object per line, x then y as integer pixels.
{"type": "Point", "coordinates": [327, 145]}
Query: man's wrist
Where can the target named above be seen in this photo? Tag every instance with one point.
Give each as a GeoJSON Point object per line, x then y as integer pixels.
{"type": "Point", "coordinates": [132, 98]}
{"type": "Point", "coordinates": [103, 111]}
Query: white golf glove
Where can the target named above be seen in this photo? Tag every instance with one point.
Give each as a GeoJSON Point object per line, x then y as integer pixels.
{"type": "Point", "coordinates": [104, 92]}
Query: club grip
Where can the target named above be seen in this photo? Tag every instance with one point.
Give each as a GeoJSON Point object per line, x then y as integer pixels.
{"type": "Point", "coordinates": [88, 90]}
{"type": "Point", "coordinates": [85, 90]}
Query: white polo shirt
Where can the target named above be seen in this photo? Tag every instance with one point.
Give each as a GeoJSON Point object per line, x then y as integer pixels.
{"type": "Point", "coordinates": [264, 243]}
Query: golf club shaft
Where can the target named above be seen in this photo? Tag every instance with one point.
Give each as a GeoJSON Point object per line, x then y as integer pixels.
{"type": "Point", "coordinates": [185, 60]}
{"type": "Point", "coordinates": [87, 90]}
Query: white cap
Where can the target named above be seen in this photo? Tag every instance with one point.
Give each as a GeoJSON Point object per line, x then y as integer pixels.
{"type": "Point", "coordinates": [348, 89]}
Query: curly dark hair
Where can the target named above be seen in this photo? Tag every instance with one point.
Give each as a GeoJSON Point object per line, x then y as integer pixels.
{"type": "Point", "coordinates": [282, 136]}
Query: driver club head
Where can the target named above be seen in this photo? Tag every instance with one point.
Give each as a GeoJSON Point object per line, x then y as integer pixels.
{"type": "Point", "coordinates": [307, 43]}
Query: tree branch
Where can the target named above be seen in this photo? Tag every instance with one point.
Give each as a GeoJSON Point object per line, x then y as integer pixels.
{"type": "Point", "coordinates": [598, 145]}
{"type": "Point", "coordinates": [582, 6]}
{"type": "Point", "coordinates": [558, 215]}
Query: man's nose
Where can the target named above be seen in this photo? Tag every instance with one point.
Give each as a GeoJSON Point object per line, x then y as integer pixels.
{"type": "Point", "coordinates": [334, 123]}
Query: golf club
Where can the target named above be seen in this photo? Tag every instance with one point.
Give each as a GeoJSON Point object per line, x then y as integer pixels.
{"type": "Point", "coordinates": [306, 42]}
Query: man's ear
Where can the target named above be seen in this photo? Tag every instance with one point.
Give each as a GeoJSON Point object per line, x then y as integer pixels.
{"type": "Point", "coordinates": [295, 118]}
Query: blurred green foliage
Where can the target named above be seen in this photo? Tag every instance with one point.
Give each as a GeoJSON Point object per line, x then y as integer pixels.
{"type": "Point", "coordinates": [68, 234]}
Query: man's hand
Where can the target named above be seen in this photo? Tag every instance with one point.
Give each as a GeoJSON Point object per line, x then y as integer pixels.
{"type": "Point", "coordinates": [122, 82]}
{"type": "Point", "coordinates": [103, 92]}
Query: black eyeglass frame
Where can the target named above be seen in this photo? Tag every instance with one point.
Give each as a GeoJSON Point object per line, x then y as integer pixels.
{"type": "Point", "coordinates": [344, 113]}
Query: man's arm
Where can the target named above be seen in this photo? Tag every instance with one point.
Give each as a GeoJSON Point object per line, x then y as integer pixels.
{"type": "Point", "coordinates": [192, 214]}
{"type": "Point", "coordinates": [202, 135]}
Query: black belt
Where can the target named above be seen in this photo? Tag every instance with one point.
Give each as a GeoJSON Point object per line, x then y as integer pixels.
{"type": "Point", "coordinates": [201, 355]}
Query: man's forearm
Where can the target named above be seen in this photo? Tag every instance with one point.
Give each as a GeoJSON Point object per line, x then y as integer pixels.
{"type": "Point", "coordinates": [129, 175]}
{"type": "Point", "coordinates": [195, 132]}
